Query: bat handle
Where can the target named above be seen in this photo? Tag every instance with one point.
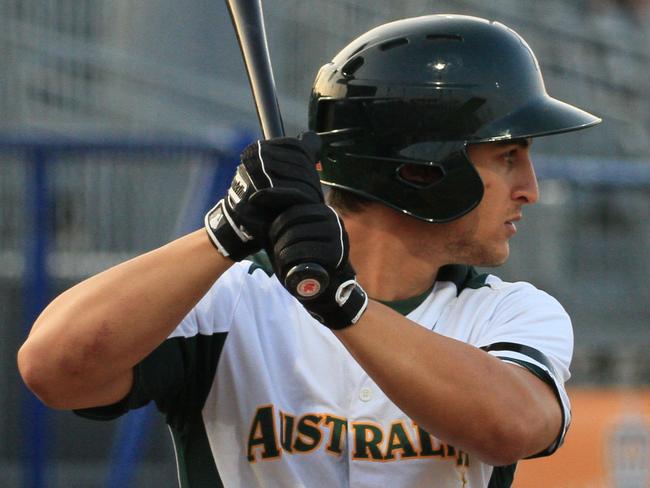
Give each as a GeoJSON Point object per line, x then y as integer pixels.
{"type": "Point", "coordinates": [306, 281]}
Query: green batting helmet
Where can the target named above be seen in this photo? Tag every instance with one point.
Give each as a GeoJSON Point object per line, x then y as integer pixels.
{"type": "Point", "coordinates": [413, 94]}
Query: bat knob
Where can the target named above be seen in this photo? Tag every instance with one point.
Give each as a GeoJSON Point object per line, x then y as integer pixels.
{"type": "Point", "coordinates": [307, 281]}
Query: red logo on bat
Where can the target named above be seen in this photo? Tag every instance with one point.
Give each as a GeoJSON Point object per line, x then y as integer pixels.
{"type": "Point", "coordinates": [308, 287]}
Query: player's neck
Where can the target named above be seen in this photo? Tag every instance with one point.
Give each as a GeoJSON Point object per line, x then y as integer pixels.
{"type": "Point", "coordinates": [388, 256]}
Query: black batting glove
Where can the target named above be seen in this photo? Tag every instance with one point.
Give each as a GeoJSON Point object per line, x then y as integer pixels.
{"type": "Point", "coordinates": [314, 233]}
{"type": "Point", "coordinates": [273, 176]}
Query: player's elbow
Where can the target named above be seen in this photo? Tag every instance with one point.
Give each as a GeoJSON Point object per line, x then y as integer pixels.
{"type": "Point", "coordinates": [513, 441]}
{"type": "Point", "coordinates": [32, 371]}
{"type": "Point", "coordinates": [40, 375]}
{"type": "Point", "coordinates": [504, 453]}
{"type": "Point", "coordinates": [501, 454]}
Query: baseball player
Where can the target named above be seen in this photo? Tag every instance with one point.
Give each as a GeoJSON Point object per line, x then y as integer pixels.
{"type": "Point", "coordinates": [406, 368]}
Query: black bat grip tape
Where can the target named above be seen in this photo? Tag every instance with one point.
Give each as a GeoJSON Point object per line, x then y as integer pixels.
{"type": "Point", "coordinates": [306, 281]}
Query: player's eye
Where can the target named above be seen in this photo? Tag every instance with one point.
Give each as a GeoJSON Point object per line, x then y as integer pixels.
{"type": "Point", "coordinates": [510, 157]}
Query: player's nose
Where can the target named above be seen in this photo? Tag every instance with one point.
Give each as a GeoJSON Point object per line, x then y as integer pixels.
{"type": "Point", "coordinates": [526, 190]}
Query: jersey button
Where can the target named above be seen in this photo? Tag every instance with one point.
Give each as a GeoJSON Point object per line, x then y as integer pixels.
{"type": "Point", "coordinates": [365, 394]}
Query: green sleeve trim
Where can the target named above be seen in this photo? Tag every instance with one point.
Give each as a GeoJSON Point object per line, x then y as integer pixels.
{"type": "Point", "coordinates": [195, 463]}
{"type": "Point", "coordinates": [546, 378]}
{"type": "Point", "coordinates": [502, 476]}
{"type": "Point", "coordinates": [198, 364]}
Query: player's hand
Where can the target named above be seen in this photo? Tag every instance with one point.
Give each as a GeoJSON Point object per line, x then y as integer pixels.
{"type": "Point", "coordinates": [314, 233]}
{"type": "Point", "coordinates": [273, 176]}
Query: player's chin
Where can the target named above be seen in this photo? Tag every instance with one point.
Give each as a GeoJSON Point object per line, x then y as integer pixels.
{"type": "Point", "coordinates": [493, 256]}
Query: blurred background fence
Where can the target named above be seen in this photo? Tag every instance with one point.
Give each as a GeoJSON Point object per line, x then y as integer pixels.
{"type": "Point", "coordinates": [120, 120]}
{"type": "Point", "coordinates": [69, 208]}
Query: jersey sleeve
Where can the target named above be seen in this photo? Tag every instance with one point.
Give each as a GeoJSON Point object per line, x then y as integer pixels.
{"type": "Point", "coordinates": [178, 374]}
{"type": "Point", "coordinates": [531, 329]}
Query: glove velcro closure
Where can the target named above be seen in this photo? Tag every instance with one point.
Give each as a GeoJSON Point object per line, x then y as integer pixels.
{"type": "Point", "coordinates": [231, 241]}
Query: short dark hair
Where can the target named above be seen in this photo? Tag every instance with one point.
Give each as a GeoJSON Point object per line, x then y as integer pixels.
{"type": "Point", "coordinates": [346, 201]}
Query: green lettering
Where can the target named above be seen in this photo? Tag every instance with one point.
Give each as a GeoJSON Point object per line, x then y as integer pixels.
{"type": "Point", "coordinates": [426, 446]}
{"type": "Point", "coordinates": [398, 441]}
{"type": "Point", "coordinates": [336, 432]}
{"type": "Point", "coordinates": [262, 435]}
{"type": "Point", "coordinates": [366, 441]}
{"type": "Point", "coordinates": [286, 431]}
{"type": "Point", "coordinates": [309, 434]}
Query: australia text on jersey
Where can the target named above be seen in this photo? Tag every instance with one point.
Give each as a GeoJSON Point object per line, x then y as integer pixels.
{"type": "Point", "coordinates": [271, 434]}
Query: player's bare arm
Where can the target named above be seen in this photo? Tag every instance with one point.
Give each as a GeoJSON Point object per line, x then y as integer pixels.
{"type": "Point", "coordinates": [82, 348]}
{"type": "Point", "coordinates": [494, 410]}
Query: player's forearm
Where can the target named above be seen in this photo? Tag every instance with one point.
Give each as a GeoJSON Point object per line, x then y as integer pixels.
{"type": "Point", "coordinates": [454, 391]}
{"type": "Point", "coordinates": [94, 333]}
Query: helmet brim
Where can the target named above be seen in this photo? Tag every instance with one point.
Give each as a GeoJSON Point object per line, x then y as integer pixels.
{"type": "Point", "coordinates": [543, 116]}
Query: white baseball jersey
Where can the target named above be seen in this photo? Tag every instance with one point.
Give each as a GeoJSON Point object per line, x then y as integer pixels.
{"type": "Point", "coordinates": [259, 394]}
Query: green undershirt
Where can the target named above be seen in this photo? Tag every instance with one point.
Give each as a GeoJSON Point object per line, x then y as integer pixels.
{"type": "Point", "coordinates": [407, 305]}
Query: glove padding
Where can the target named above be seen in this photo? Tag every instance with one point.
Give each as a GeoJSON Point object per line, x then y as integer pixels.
{"type": "Point", "coordinates": [273, 175]}
{"type": "Point", "coordinates": [314, 233]}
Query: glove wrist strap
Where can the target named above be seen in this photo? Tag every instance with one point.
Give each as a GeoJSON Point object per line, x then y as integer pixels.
{"type": "Point", "coordinates": [351, 301]}
{"type": "Point", "coordinates": [229, 240]}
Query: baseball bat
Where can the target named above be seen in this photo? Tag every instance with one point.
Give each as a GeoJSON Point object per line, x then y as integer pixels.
{"type": "Point", "coordinates": [306, 280]}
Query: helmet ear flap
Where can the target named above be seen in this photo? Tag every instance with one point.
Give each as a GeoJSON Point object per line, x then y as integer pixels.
{"type": "Point", "coordinates": [456, 192]}
{"type": "Point", "coordinates": [435, 192]}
